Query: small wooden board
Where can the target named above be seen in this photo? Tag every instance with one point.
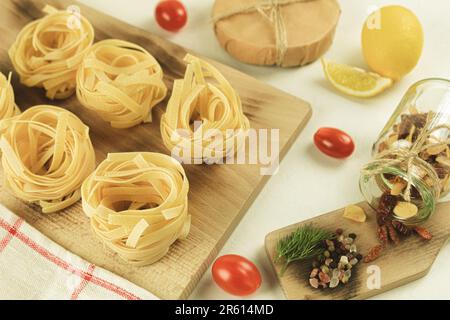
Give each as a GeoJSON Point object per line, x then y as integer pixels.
{"type": "Point", "coordinates": [399, 265]}
{"type": "Point", "coordinates": [219, 195]}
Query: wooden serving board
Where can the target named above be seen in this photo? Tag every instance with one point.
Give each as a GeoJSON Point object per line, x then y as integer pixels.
{"type": "Point", "coordinates": [219, 195]}
{"type": "Point", "coordinates": [399, 265]}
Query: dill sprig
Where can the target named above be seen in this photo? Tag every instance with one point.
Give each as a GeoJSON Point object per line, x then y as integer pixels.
{"type": "Point", "coordinates": [303, 243]}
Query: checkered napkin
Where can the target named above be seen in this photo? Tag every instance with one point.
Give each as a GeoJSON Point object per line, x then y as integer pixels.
{"type": "Point", "coordinates": [34, 267]}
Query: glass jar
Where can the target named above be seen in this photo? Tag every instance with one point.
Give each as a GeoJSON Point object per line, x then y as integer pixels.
{"type": "Point", "coordinates": [410, 169]}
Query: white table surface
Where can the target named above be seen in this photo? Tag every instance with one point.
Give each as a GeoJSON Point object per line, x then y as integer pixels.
{"type": "Point", "coordinates": [309, 183]}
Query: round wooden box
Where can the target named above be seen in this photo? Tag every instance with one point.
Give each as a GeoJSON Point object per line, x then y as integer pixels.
{"type": "Point", "coordinates": [286, 33]}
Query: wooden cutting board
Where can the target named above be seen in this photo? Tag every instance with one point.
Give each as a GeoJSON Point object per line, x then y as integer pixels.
{"type": "Point", "coordinates": [219, 195]}
{"type": "Point", "coordinates": [399, 265]}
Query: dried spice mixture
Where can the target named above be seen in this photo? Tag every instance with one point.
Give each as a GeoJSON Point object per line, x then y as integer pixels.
{"type": "Point", "coordinates": [418, 148]}
{"type": "Point", "coordinates": [335, 265]}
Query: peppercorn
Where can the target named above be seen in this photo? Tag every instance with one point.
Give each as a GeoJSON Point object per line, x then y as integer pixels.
{"type": "Point", "coordinates": [335, 262]}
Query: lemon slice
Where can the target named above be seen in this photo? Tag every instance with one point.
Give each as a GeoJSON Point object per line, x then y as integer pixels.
{"type": "Point", "coordinates": [355, 81]}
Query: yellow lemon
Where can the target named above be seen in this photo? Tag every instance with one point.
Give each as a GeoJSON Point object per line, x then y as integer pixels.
{"type": "Point", "coordinates": [392, 41]}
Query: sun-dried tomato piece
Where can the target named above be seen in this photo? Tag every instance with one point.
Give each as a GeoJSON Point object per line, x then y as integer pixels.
{"type": "Point", "coordinates": [393, 234]}
{"type": "Point", "coordinates": [374, 253]}
{"type": "Point", "coordinates": [383, 219]}
{"type": "Point", "coordinates": [423, 233]}
{"type": "Point", "coordinates": [387, 204]}
{"type": "Point", "coordinates": [382, 234]}
{"type": "Point", "coordinates": [401, 228]}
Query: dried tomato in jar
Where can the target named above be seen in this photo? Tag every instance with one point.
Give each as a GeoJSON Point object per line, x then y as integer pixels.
{"type": "Point", "coordinates": [410, 169]}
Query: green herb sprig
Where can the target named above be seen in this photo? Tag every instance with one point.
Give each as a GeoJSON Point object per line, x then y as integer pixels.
{"type": "Point", "coordinates": [304, 243]}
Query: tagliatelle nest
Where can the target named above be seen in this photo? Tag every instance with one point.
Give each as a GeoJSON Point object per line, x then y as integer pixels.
{"type": "Point", "coordinates": [138, 205]}
{"type": "Point", "coordinates": [8, 107]}
{"type": "Point", "coordinates": [120, 81]}
{"type": "Point", "coordinates": [48, 52]}
{"type": "Point", "coordinates": [203, 95]}
{"type": "Point", "coordinates": [47, 153]}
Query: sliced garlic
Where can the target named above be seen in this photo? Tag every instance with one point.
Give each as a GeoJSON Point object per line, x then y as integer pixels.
{"type": "Point", "coordinates": [405, 210]}
{"type": "Point", "coordinates": [443, 160]}
{"type": "Point", "coordinates": [355, 213]}
{"type": "Point", "coordinates": [401, 144]}
{"type": "Point", "coordinates": [435, 150]}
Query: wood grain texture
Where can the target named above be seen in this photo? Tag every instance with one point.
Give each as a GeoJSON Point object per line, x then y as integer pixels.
{"type": "Point", "coordinates": [219, 195]}
{"type": "Point", "coordinates": [399, 265]}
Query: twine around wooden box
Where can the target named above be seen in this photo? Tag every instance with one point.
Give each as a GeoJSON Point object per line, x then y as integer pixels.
{"type": "Point", "coordinates": [285, 33]}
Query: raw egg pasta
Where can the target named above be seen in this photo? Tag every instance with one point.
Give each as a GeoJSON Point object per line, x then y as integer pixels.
{"type": "Point", "coordinates": [203, 95]}
{"type": "Point", "coordinates": [138, 205]}
{"type": "Point", "coordinates": [48, 52]}
{"type": "Point", "coordinates": [47, 154]}
{"type": "Point", "coordinates": [120, 81]}
{"type": "Point", "coordinates": [8, 107]}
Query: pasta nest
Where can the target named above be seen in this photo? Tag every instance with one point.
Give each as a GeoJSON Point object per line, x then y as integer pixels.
{"type": "Point", "coordinates": [47, 154]}
{"type": "Point", "coordinates": [137, 204]}
{"type": "Point", "coordinates": [48, 52]}
{"type": "Point", "coordinates": [204, 95]}
{"type": "Point", "coordinates": [8, 107]}
{"type": "Point", "coordinates": [120, 81]}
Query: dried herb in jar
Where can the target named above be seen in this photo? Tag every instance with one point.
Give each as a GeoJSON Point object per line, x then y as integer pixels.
{"type": "Point", "coordinates": [410, 171]}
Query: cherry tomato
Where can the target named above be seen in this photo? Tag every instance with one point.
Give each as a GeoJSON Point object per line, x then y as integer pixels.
{"type": "Point", "coordinates": [236, 275]}
{"type": "Point", "coordinates": [171, 15]}
{"type": "Point", "coordinates": [334, 142]}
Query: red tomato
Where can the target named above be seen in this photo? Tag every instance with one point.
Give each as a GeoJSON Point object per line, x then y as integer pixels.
{"type": "Point", "coordinates": [334, 142]}
{"type": "Point", "coordinates": [171, 15]}
{"type": "Point", "coordinates": [236, 275]}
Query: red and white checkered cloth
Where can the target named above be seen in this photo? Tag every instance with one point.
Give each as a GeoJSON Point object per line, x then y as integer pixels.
{"type": "Point", "coordinates": [34, 267]}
